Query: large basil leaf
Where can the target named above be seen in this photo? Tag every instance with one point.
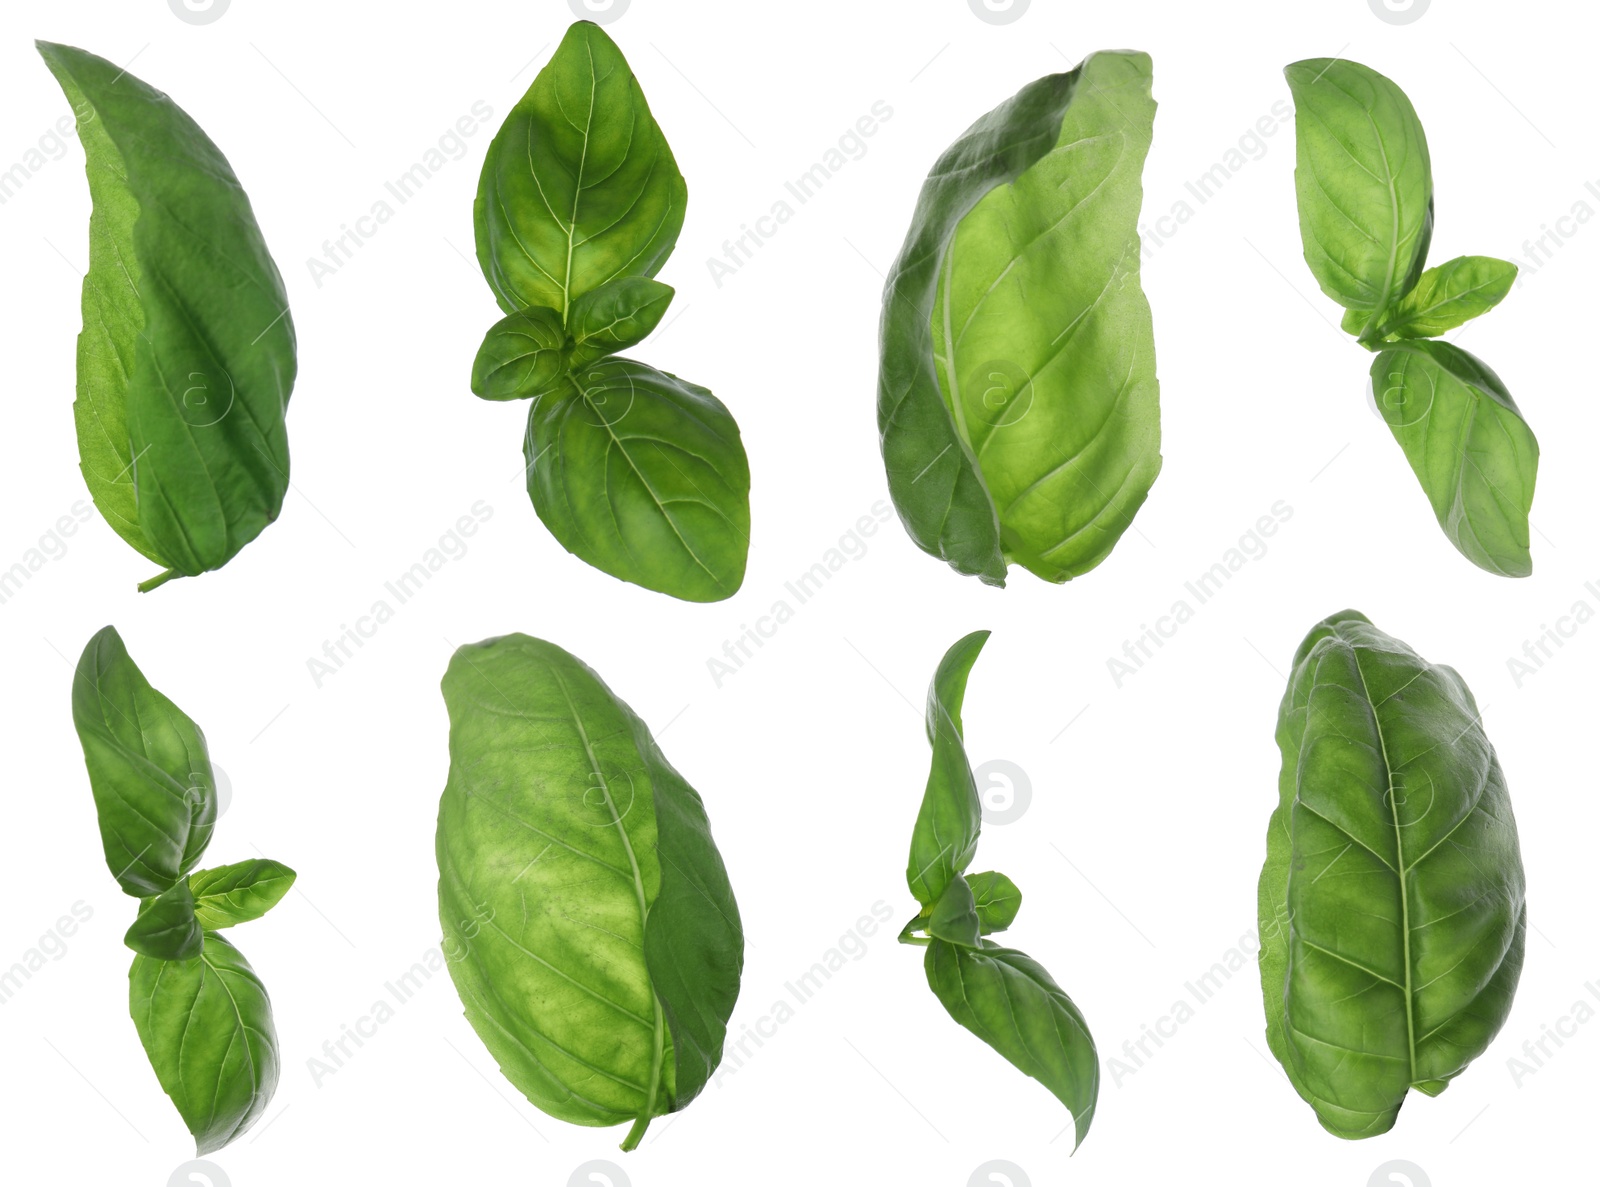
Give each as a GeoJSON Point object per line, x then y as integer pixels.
{"type": "Point", "coordinates": [643, 475]}
{"type": "Point", "coordinates": [1017, 394]}
{"type": "Point", "coordinates": [238, 893]}
{"type": "Point", "coordinates": [1468, 445]}
{"type": "Point", "coordinates": [999, 994]}
{"type": "Point", "coordinates": [206, 1025]}
{"type": "Point", "coordinates": [593, 935]}
{"type": "Point", "coordinates": [1011, 1003]}
{"type": "Point", "coordinates": [579, 186]}
{"type": "Point", "coordinates": [149, 770]}
{"type": "Point", "coordinates": [187, 354]}
{"type": "Point", "coordinates": [1392, 902]}
{"type": "Point", "coordinates": [1447, 296]}
{"type": "Point", "coordinates": [1364, 183]}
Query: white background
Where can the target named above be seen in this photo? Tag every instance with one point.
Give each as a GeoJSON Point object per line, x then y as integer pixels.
{"type": "Point", "coordinates": [1139, 852]}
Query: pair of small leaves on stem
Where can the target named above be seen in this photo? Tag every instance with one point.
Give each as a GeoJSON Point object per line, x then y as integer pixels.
{"type": "Point", "coordinates": [1000, 994]}
{"type": "Point", "coordinates": [580, 202]}
{"type": "Point", "coordinates": [1364, 185]}
{"type": "Point", "coordinates": [201, 1012]}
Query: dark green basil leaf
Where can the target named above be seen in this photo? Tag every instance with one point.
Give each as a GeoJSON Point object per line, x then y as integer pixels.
{"type": "Point", "coordinates": [1017, 392]}
{"type": "Point", "coordinates": [1468, 445]}
{"type": "Point", "coordinates": [187, 354]}
{"type": "Point", "coordinates": [579, 186]}
{"type": "Point", "coordinates": [1011, 1003]}
{"type": "Point", "coordinates": [592, 933]}
{"type": "Point", "coordinates": [1446, 296]}
{"type": "Point", "coordinates": [1364, 184]}
{"type": "Point", "coordinates": [148, 768]}
{"type": "Point", "coordinates": [523, 355]}
{"type": "Point", "coordinates": [206, 1025]}
{"type": "Point", "coordinates": [1392, 902]}
{"type": "Point", "coordinates": [643, 475]}
{"type": "Point", "coordinates": [955, 916]}
{"type": "Point", "coordinates": [239, 892]}
{"type": "Point", "coordinates": [166, 927]}
{"type": "Point", "coordinates": [996, 899]}
{"type": "Point", "coordinates": [946, 835]}
{"type": "Point", "coordinates": [615, 316]}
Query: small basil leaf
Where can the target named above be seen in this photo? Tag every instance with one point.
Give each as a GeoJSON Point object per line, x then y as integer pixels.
{"type": "Point", "coordinates": [187, 354]}
{"type": "Point", "coordinates": [1447, 296]}
{"type": "Point", "coordinates": [206, 1025]}
{"type": "Point", "coordinates": [1468, 445]}
{"type": "Point", "coordinates": [148, 767]}
{"type": "Point", "coordinates": [1364, 183]}
{"type": "Point", "coordinates": [1011, 1003]}
{"type": "Point", "coordinates": [643, 475]}
{"type": "Point", "coordinates": [579, 185]}
{"type": "Point", "coordinates": [615, 316]}
{"type": "Point", "coordinates": [523, 355]}
{"type": "Point", "coordinates": [955, 916]}
{"type": "Point", "coordinates": [946, 833]}
{"type": "Point", "coordinates": [996, 899]}
{"type": "Point", "coordinates": [166, 927]}
{"type": "Point", "coordinates": [238, 893]}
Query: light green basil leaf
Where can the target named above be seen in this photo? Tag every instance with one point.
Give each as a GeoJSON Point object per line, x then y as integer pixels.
{"type": "Point", "coordinates": [149, 770]}
{"type": "Point", "coordinates": [1017, 397]}
{"type": "Point", "coordinates": [1392, 902]}
{"type": "Point", "coordinates": [1446, 296]}
{"type": "Point", "coordinates": [166, 927]}
{"type": "Point", "coordinates": [579, 186]}
{"type": "Point", "coordinates": [946, 834]}
{"type": "Point", "coordinates": [240, 892]}
{"type": "Point", "coordinates": [206, 1025]}
{"type": "Point", "coordinates": [643, 475]}
{"type": "Point", "coordinates": [1363, 181]}
{"type": "Point", "coordinates": [187, 354]}
{"type": "Point", "coordinates": [954, 917]}
{"type": "Point", "coordinates": [590, 928]}
{"type": "Point", "coordinates": [996, 899]}
{"type": "Point", "coordinates": [1010, 1002]}
{"type": "Point", "coordinates": [615, 316]}
{"type": "Point", "coordinates": [1468, 445]}
{"type": "Point", "coordinates": [523, 355]}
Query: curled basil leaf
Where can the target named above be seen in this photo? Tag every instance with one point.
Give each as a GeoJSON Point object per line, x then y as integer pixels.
{"type": "Point", "coordinates": [1364, 186]}
{"type": "Point", "coordinates": [588, 920]}
{"type": "Point", "coordinates": [199, 1008]}
{"type": "Point", "coordinates": [1392, 902]}
{"type": "Point", "coordinates": [187, 354]}
{"type": "Point", "coordinates": [1017, 397]}
{"type": "Point", "coordinates": [999, 994]}
{"type": "Point", "coordinates": [634, 471]}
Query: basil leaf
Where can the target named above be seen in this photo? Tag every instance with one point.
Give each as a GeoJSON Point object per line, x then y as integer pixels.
{"type": "Point", "coordinates": [615, 316]}
{"type": "Point", "coordinates": [1017, 393]}
{"type": "Point", "coordinates": [1446, 296]}
{"type": "Point", "coordinates": [643, 475]}
{"type": "Point", "coordinates": [946, 835]}
{"type": "Point", "coordinates": [154, 791]}
{"type": "Point", "coordinates": [592, 933]}
{"type": "Point", "coordinates": [579, 186]}
{"type": "Point", "coordinates": [1011, 1003]}
{"type": "Point", "coordinates": [166, 927]}
{"type": "Point", "coordinates": [206, 1025]}
{"type": "Point", "coordinates": [1392, 901]}
{"type": "Point", "coordinates": [1363, 181]}
{"type": "Point", "coordinates": [523, 354]}
{"type": "Point", "coordinates": [996, 899]}
{"type": "Point", "coordinates": [239, 892]}
{"type": "Point", "coordinates": [955, 916]}
{"type": "Point", "coordinates": [1468, 445]}
{"type": "Point", "coordinates": [187, 354]}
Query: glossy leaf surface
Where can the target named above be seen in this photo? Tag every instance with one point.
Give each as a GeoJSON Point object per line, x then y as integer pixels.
{"type": "Point", "coordinates": [1392, 902]}
{"type": "Point", "coordinates": [996, 899]}
{"type": "Point", "coordinates": [523, 355]}
{"type": "Point", "coordinates": [166, 927]}
{"type": "Point", "coordinates": [1450, 295]}
{"type": "Point", "coordinates": [616, 316]}
{"type": "Point", "coordinates": [592, 934]}
{"type": "Point", "coordinates": [238, 893]}
{"type": "Point", "coordinates": [946, 835]}
{"type": "Point", "coordinates": [1017, 396]}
